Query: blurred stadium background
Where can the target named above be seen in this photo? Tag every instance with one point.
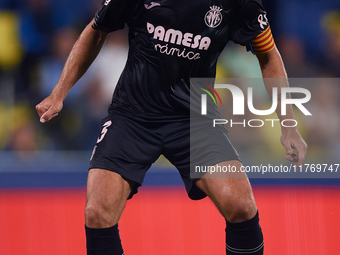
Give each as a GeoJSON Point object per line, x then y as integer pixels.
{"type": "Point", "coordinates": [43, 168]}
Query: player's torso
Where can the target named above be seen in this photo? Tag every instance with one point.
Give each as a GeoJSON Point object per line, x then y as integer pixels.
{"type": "Point", "coordinates": [170, 42]}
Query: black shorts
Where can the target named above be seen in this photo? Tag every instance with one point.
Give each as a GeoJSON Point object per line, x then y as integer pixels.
{"type": "Point", "coordinates": [129, 147]}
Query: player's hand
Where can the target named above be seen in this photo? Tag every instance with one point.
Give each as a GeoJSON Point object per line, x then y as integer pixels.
{"type": "Point", "coordinates": [49, 108]}
{"type": "Point", "coordinates": [292, 140]}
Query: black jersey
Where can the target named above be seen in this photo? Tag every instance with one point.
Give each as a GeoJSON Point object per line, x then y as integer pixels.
{"type": "Point", "coordinates": [171, 41]}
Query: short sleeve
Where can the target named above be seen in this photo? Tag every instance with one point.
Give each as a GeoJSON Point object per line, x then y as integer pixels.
{"type": "Point", "coordinates": [249, 20]}
{"type": "Point", "coordinates": [111, 15]}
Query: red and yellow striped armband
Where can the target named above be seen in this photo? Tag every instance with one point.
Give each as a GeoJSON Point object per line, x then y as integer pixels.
{"type": "Point", "coordinates": [264, 42]}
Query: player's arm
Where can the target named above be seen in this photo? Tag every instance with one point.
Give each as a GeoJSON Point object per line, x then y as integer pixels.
{"type": "Point", "coordinates": [83, 53]}
{"type": "Point", "coordinates": [272, 67]}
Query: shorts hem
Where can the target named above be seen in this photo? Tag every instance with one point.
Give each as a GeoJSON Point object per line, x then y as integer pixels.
{"type": "Point", "coordinates": [137, 182]}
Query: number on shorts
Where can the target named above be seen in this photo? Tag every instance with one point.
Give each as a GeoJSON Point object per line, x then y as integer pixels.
{"type": "Point", "coordinates": [104, 131]}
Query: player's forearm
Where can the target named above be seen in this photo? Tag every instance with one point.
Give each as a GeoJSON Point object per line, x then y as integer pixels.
{"type": "Point", "coordinates": [83, 53]}
{"type": "Point", "coordinates": [275, 76]}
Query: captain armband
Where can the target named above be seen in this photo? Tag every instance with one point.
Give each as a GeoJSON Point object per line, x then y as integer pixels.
{"type": "Point", "coordinates": [264, 42]}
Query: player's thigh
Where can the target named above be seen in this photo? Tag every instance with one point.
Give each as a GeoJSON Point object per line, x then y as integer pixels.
{"type": "Point", "coordinates": [106, 196]}
{"type": "Point", "coordinates": [233, 196]}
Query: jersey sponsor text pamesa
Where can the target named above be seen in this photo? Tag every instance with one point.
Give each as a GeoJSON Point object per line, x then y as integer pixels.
{"type": "Point", "coordinates": [173, 36]}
